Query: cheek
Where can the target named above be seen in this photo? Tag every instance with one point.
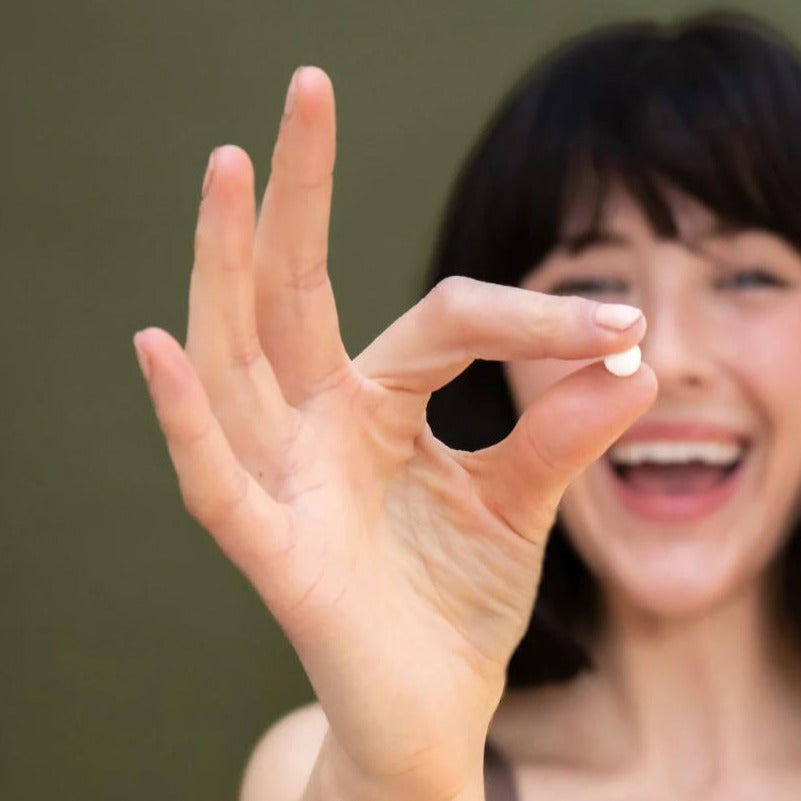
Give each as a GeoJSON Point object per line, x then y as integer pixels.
{"type": "Point", "coordinates": [529, 379]}
{"type": "Point", "coordinates": [765, 357]}
{"type": "Point", "coordinates": [768, 363]}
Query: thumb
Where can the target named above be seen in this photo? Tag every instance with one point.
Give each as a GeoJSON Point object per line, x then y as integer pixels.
{"type": "Point", "coordinates": [523, 477]}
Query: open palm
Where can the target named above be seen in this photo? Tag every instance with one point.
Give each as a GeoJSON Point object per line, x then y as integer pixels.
{"type": "Point", "coordinates": [402, 571]}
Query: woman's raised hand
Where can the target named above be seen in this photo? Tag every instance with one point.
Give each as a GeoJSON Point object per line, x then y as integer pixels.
{"type": "Point", "coordinates": [402, 571]}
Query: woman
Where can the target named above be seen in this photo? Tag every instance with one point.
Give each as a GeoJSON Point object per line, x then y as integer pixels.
{"type": "Point", "coordinates": [638, 169]}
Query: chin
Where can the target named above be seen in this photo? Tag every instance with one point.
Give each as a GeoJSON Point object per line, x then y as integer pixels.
{"type": "Point", "coordinates": [678, 591]}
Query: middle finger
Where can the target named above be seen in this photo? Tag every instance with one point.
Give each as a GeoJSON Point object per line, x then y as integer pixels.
{"type": "Point", "coordinates": [297, 316]}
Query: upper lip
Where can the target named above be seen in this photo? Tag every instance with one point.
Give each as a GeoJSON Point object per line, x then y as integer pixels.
{"type": "Point", "coordinates": [685, 430]}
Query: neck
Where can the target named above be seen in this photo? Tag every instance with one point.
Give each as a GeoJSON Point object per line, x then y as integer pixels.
{"type": "Point", "coordinates": [686, 697]}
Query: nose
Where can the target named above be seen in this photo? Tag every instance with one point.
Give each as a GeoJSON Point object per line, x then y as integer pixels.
{"type": "Point", "coordinates": [676, 345]}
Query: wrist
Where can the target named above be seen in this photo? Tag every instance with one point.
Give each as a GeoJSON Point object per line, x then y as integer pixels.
{"type": "Point", "coordinates": [334, 778]}
{"type": "Point", "coordinates": [374, 791]}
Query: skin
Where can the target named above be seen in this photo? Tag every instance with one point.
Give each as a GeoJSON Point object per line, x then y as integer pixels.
{"type": "Point", "coordinates": [690, 663]}
{"type": "Point", "coordinates": [403, 572]}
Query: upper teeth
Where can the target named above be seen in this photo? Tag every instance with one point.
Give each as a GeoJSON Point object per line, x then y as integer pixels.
{"type": "Point", "coordinates": [675, 452]}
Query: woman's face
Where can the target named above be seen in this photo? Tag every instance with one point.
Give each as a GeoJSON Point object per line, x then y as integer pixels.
{"type": "Point", "coordinates": [693, 501]}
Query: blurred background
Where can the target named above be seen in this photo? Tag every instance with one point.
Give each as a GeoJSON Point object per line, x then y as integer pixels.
{"type": "Point", "coordinates": [135, 662]}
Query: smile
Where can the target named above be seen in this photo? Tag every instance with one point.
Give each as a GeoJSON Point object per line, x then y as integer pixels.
{"type": "Point", "coordinates": [675, 480]}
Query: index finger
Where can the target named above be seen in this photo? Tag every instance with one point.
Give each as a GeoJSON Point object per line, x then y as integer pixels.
{"type": "Point", "coordinates": [463, 319]}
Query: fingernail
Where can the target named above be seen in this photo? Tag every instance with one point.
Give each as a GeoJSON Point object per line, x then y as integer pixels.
{"type": "Point", "coordinates": [289, 104]}
{"type": "Point", "coordinates": [141, 356]}
{"type": "Point", "coordinates": [616, 316]}
{"type": "Point", "coordinates": [208, 175]}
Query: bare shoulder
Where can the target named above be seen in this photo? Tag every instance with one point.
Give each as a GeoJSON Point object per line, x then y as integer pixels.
{"type": "Point", "coordinates": [282, 760]}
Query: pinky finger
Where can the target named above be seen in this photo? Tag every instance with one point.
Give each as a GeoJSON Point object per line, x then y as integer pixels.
{"type": "Point", "coordinates": [250, 527]}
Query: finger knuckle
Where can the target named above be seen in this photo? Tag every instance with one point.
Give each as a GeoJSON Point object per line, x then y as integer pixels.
{"type": "Point", "coordinates": [296, 174]}
{"type": "Point", "coordinates": [209, 251]}
{"type": "Point", "coordinates": [452, 296]}
{"type": "Point", "coordinates": [545, 312]}
{"type": "Point", "coordinates": [307, 272]}
{"type": "Point", "coordinates": [543, 327]}
{"type": "Point", "coordinates": [229, 264]}
{"type": "Point", "coordinates": [244, 353]}
{"type": "Point", "coordinates": [319, 182]}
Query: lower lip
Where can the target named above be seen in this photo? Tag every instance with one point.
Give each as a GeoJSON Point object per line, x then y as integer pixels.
{"type": "Point", "coordinates": [676, 508]}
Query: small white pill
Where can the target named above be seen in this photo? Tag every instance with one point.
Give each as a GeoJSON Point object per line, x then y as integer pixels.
{"type": "Point", "coordinates": [624, 363]}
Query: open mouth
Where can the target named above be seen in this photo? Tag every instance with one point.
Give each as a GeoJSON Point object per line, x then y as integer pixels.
{"type": "Point", "coordinates": [673, 479]}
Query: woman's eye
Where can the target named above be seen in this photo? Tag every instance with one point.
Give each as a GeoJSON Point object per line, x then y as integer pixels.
{"type": "Point", "coordinates": [752, 278]}
{"type": "Point", "coordinates": [589, 286]}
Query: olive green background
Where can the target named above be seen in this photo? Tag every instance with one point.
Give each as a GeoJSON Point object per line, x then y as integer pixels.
{"type": "Point", "coordinates": [136, 663]}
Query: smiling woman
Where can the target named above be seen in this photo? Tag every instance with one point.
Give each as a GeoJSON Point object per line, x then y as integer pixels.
{"type": "Point", "coordinates": [393, 510]}
{"type": "Point", "coordinates": [665, 171]}
{"type": "Point", "coordinates": [660, 168]}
